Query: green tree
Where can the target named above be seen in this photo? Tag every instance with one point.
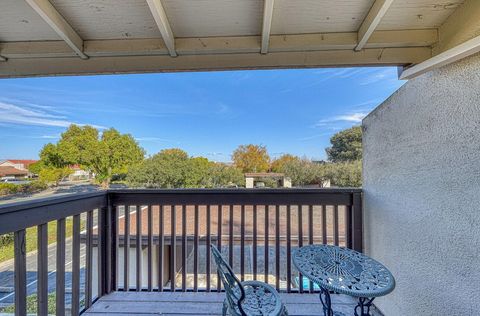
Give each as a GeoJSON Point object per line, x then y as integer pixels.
{"type": "Point", "coordinates": [346, 145]}
{"type": "Point", "coordinates": [105, 155]}
{"type": "Point", "coordinates": [197, 172]}
{"type": "Point", "coordinates": [51, 168]}
{"type": "Point", "coordinates": [304, 172]}
{"type": "Point", "coordinates": [169, 168]}
{"type": "Point", "coordinates": [221, 175]}
{"type": "Point", "coordinates": [53, 175]}
{"type": "Point", "coordinates": [345, 174]}
{"type": "Point", "coordinates": [173, 168]}
{"type": "Point", "coordinates": [251, 158]}
{"type": "Point", "coordinates": [278, 165]}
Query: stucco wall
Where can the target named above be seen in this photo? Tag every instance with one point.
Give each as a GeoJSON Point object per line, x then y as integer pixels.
{"type": "Point", "coordinates": [422, 192]}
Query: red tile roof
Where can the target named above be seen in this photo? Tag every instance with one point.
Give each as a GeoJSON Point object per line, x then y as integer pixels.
{"type": "Point", "coordinates": [11, 171]}
{"type": "Point", "coordinates": [25, 162]}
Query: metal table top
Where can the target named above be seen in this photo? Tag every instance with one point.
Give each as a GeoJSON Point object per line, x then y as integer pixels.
{"type": "Point", "coordinates": [343, 270]}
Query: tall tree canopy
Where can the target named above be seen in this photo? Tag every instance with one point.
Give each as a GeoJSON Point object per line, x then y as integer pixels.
{"type": "Point", "coordinates": [105, 155]}
{"type": "Point", "coordinates": [346, 145]}
{"type": "Point", "coordinates": [251, 158]}
{"type": "Point", "coordinates": [278, 165]}
{"type": "Point", "coordinates": [173, 168]}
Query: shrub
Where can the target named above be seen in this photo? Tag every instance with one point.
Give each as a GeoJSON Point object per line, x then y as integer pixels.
{"type": "Point", "coordinates": [6, 239]}
{"type": "Point", "coordinates": [348, 174]}
{"type": "Point", "coordinates": [31, 187]}
{"type": "Point", "coordinates": [8, 188]}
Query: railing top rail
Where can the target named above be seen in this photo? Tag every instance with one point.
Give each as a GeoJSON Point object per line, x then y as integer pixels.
{"type": "Point", "coordinates": [327, 196]}
{"type": "Point", "coordinates": [237, 191]}
{"type": "Point", "coordinates": [48, 201]}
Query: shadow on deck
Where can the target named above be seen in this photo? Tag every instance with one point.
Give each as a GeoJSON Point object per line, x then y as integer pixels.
{"type": "Point", "coordinates": [201, 303]}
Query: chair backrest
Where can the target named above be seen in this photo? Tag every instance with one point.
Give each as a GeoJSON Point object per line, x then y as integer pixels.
{"type": "Point", "coordinates": [233, 287]}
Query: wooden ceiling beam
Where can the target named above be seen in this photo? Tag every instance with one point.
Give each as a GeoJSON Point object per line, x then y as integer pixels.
{"type": "Point", "coordinates": [55, 20]}
{"type": "Point", "coordinates": [267, 24]}
{"type": "Point", "coordinates": [371, 21]}
{"type": "Point", "coordinates": [161, 19]}
{"type": "Point", "coordinates": [220, 45]}
{"type": "Point", "coordinates": [32, 67]}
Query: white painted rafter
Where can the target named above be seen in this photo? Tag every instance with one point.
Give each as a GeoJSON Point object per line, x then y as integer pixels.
{"type": "Point", "coordinates": [454, 54]}
{"type": "Point", "coordinates": [55, 20]}
{"type": "Point", "coordinates": [373, 18]}
{"type": "Point", "coordinates": [267, 24]}
{"type": "Point", "coordinates": [161, 19]}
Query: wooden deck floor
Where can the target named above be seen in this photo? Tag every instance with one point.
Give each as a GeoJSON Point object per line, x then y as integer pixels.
{"type": "Point", "coordinates": [176, 304]}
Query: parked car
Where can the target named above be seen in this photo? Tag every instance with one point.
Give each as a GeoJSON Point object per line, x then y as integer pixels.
{"type": "Point", "coordinates": [14, 181]}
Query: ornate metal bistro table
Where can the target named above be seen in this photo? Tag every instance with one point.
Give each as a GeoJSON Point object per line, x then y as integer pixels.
{"type": "Point", "coordinates": [343, 271]}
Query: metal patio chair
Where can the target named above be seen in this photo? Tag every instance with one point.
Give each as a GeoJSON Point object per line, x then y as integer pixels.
{"type": "Point", "coordinates": [249, 298]}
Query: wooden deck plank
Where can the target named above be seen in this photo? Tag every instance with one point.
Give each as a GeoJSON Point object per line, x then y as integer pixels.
{"type": "Point", "coordinates": [202, 303]}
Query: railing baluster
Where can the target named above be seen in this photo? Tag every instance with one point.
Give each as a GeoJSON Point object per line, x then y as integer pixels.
{"type": "Point", "coordinates": [289, 249]}
{"type": "Point", "coordinates": [230, 238]}
{"type": "Point", "coordinates": [195, 254]}
{"type": "Point", "coordinates": [76, 265]}
{"type": "Point", "coordinates": [357, 222]}
{"type": "Point", "coordinates": [267, 245]}
{"type": "Point", "coordinates": [42, 269]}
{"type": "Point", "coordinates": [335, 225]}
{"type": "Point", "coordinates": [254, 250]}
{"type": "Point", "coordinates": [160, 248]}
{"type": "Point", "coordinates": [310, 235]}
{"type": "Point", "coordinates": [173, 246]}
{"type": "Point", "coordinates": [101, 248]}
{"type": "Point", "coordinates": [277, 246]}
{"type": "Point", "coordinates": [138, 249]}
{"type": "Point", "coordinates": [149, 248]}
{"type": "Point", "coordinates": [114, 213]}
{"type": "Point", "coordinates": [348, 226]}
{"type": "Point", "coordinates": [126, 249]}
{"type": "Point", "coordinates": [208, 239]}
{"type": "Point", "coordinates": [184, 248]}
{"type": "Point", "coordinates": [60, 267]}
{"type": "Point", "coordinates": [242, 243]}
{"type": "Point", "coordinates": [219, 241]}
{"type": "Point", "coordinates": [109, 252]}
{"type": "Point", "coordinates": [20, 273]}
{"type": "Point", "coordinates": [300, 241]}
{"type": "Point", "coordinates": [89, 260]}
{"type": "Point", "coordinates": [324, 224]}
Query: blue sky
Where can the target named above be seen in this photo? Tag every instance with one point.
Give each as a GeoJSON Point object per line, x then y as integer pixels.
{"type": "Point", "coordinates": [207, 114]}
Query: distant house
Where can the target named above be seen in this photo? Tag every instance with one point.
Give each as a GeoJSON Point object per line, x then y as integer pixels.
{"type": "Point", "coordinates": [16, 168]}
{"type": "Point", "coordinates": [12, 173]}
{"type": "Point", "coordinates": [253, 180]}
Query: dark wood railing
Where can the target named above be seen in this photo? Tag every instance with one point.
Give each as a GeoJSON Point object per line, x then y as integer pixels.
{"type": "Point", "coordinates": [159, 240]}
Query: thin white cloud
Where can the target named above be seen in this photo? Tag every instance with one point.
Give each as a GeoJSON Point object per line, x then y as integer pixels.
{"type": "Point", "coordinates": [155, 140]}
{"type": "Point", "coordinates": [34, 115]}
{"type": "Point", "coordinates": [214, 154]}
{"type": "Point", "coordinates": [377, 76]}
{"type": "Point", "coordinates": [57, 136]}
{"type": "Point", "coordinates": [355, 117]}
{"type": "Point", "coordinates": [314, 136]}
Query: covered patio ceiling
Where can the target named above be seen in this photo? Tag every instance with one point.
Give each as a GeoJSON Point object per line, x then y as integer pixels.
{"type": "Point", "coordinates": [69, 37]}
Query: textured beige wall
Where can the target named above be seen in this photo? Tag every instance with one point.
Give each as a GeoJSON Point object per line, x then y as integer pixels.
{"type": "Point", "coordinates": [422, 192]}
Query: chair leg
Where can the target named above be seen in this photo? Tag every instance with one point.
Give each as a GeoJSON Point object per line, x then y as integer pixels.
{"type": "Point", "coordinates": [225, 308]}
